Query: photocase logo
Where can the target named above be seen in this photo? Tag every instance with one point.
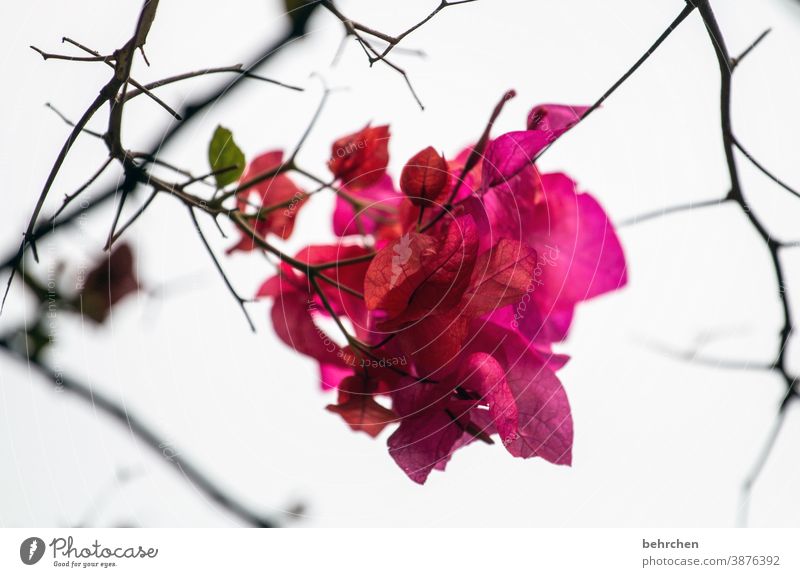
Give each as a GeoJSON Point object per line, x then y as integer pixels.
{"type": "Point", "coordinates": [31, 550]}
{"type": "Point", "coordinates": [402, 252]}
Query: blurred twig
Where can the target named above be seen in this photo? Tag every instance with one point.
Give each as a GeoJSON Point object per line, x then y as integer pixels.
{"type": "Point", "coordinates": [141, 431]}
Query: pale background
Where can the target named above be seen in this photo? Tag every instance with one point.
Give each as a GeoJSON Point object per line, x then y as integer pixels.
{"type": "Point", "coordinates": [659, 442]}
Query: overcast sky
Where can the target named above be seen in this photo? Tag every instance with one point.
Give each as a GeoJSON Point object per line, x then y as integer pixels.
{"type": "Point", "coordinates": [659, 442]}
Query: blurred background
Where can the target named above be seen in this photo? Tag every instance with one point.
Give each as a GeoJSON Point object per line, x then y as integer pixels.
{"type": "Point", "coordinates": [659, 441]}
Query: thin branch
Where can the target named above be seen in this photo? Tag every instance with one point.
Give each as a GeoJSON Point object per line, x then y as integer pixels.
{"type": "Point", "coordinates": [117, 214]}
{"type": "Point", "coordinates": [474, 157]}
{"type": "Point", "coordinates": [68, 122]}
{"type": "Point", "coordinates": [49, 55]}
{"type": "Point", "coordinates": [758, 466]}
{"type": "Point", "coordinates": [236, 69]}
{"type": "Point", "coordinates": [141, 431]}
{"type": "Point", "coordinates": [693, 356]}
{"type": "Point", "coordinates": [297, 30]}
{"type": "Point", "coordinates": [688, 207]}
{"type": "Point", "coordinates": [209, 174]}
{"type": "Point", "coordinates": [221, 271]}
{"type": "Point", "coordinates": [355, 29]}
{"type": "Point", "coordinates": [738, 59]}
{"type": "Point", "coordinates": [726, 67]}
{"type": "Point", "coordinates": [310, 126]}
{"type": "Point", "coordinates": [70, 197]}
{"type": "Point", "coordinates": [766, 172]}
{"type": "Point", "coordinates": [649, 52]}
{"type": "Point", "coordinates": [134, 217]}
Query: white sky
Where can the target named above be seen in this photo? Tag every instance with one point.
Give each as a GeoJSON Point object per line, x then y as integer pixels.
{"type": "Point", "coordinates": [658, 442]}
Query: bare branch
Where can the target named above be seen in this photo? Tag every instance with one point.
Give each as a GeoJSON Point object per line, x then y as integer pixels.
{"type": "Point", "coordinates": [68, 122]}
{"type": "Point", "coordinates": [236, 69]}
{"type": "Point", "coordinates": [726, 67]}
{"type": "Point", "coordinates": [48, 56]}
{"type": "Point", "coordinates": [649, 52]}
{"type": "Point", "coordinates": [738, 59]}
{"type": "Point", "coordinates": [139, 212]}
{"type": "Point", "coordinates": [357, 30]}
{"type": "Point", "coordinates": [221, 271]}
{"type": "Point", "coordinates": [766, 172]}
{"type": "Point", "coordinates": [141, 431]}
{"type": "Point", "coordinates": [70, 197]}
{"type": "Point", "coordinates": [690, 206]}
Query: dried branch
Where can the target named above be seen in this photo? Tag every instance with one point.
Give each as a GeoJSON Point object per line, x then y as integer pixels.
{"type": "Point", "coordinates": [726, 67]}
{"type": "Point", "coordinates": [766, 172]}
{"type": "Point", "coordinates": [358, 30]}
{"type": "Point", "coordinates": [690, 206]}
{"type": "Point", "coordinates": [70, 197]}
{"type": "Point", "coordinates": [221, 271]}
{"type": "Point", "coordinates": [68, 122]}
{"type": "Point", "coordinates": [134, 217]}
{"type": "Point", "coordinates": [298, 27]}
{"type": "Point", "coordinates": [236, 69]}
{"type": "Point", "coordinates": [649, 52]}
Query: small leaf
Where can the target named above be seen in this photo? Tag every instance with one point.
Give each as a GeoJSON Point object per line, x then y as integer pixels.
{"type": "Point", "coordinates": [224, 153]}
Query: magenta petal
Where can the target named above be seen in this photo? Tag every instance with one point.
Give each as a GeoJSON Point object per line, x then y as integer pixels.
{"type": "Point", "coordinates": [508, 154]}
{"type": "Point", "coordinates": [277, 285]}
{"type": "Point", "coordinates": [423, 442]}
{"type": "Point", "coordinates": [294, 324]}
{"type": "Point", "coordinates": [545, 419]}
{"type": "Point", "coordinates": [484, 375]}
{"type": "Point", "coordinates": [555, 118]}
{"type": "Point", "coordinates": [510, 205]}
{"type": "Point", "coordinates": [380, 196]}
{"type": "Point", "coordinates": [330, 376]}
{"type": "Point", "coordinates": [582, 256]}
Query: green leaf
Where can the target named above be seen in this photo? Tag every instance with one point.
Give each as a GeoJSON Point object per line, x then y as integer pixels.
{"type": "Point", "coordinates": [224, 153]}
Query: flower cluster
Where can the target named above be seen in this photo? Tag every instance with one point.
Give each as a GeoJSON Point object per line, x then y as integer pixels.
{"type": "Point", "coordinates": [449, 291]}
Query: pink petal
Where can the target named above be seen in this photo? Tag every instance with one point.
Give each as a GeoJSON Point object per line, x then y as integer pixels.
{"type": "Point", "coordinates": [426, 440]}
{"type": "Point", "coordinates": [380, 196]}
{"type": "Point", "coordinates": [582, 255]}
{"type": "Point", "coordinates": [508, 154]}
{"type": "Point", "coordinates": [484, 375]}
{"type": "Point", "coordinates": [294, 324]}
{"type": "Point", "coordinates": [502, 275]}
{"type": "Point", "coordinates": [544, 417]}
{"type": "Point", "coordinates": [555, 118]}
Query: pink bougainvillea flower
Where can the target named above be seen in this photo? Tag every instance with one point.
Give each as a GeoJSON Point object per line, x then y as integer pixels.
{"type": "Point", "coordinates": [278, 193]}
{"type": "Point", "coordinates": [111, 280]}
{"type": "Point", "coordinates": [359, 160]}
{"type": "Point", "coordinates": [454, 312]}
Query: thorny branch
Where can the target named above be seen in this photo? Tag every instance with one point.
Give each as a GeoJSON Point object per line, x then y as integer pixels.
{"type": "Point", "coordinates": [779, 366]}
{"type": "Point", "coordinates": [736, 195]}
{"type": "Point", "coordinates": [374, 54]}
